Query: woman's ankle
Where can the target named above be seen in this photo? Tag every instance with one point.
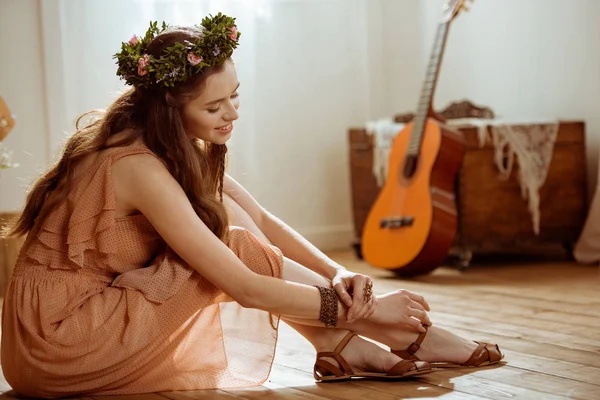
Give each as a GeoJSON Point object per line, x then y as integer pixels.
{"type": "Point", "coordinates": [362, 355]}
{"type": "Point", "coordinates": [397, 337]}
{"type": "Point", "coordinates": [329, 339]}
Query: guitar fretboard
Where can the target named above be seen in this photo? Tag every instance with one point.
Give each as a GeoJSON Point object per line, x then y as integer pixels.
{"type": "Point", "coordinates": [427, 90]}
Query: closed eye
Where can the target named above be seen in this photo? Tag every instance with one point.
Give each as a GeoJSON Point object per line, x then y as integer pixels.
{"type": "Point", "coordinates": [214, 110]}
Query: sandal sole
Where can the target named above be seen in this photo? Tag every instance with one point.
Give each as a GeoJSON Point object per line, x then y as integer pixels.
{"type": "Point", "coordinates": [450, 365]}
{"type": "Point", "coordinates": [373, 375]}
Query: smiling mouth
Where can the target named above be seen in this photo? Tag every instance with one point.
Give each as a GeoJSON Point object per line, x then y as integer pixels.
{"type": "Point", "coordinates": [225, 128]}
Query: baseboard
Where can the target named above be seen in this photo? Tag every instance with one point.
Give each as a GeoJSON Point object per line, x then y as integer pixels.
{"type": "Point", "coordinates": [329, 238]}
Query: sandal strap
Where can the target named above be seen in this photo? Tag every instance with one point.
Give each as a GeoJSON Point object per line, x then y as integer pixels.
{"type": "Point", "coordinates": [345, 367]}
{"type": "Point", "coordinates": [402, 367]}
{"type": "Point", "coordinates": [323, 368]}
{"type": "Point", "coordinates": [409, 352]}
{"type": "Point", "coordinates": [485, 352]}
{"type": "Point", "coordinates": [342, 344]}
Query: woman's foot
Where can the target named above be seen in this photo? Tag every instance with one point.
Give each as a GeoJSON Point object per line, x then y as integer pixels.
{"type": "Point", "coordinates": [360, 354]}
{"type": "Point", "coordinates": [437, 345]}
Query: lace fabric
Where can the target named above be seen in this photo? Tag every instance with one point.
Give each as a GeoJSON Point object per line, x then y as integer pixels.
{"type": "Point", "coordinates": [383, 131]}
{"type": "Point", "coordinates": [532, 147]}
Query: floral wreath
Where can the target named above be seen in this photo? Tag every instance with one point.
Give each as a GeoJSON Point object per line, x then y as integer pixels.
{"type": "Point", "coordinates": [179, 62]}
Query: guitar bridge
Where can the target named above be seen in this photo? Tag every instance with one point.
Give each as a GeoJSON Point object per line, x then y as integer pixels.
{"type": "Point", "coordinates": [396, 222]}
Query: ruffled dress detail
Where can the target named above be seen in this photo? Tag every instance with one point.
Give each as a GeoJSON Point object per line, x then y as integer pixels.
{"type": "Point", "coordinates": [99, 305]}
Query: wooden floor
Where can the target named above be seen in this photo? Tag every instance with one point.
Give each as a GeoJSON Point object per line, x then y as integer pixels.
{"type": "Point", "coordinates": [545, 316]}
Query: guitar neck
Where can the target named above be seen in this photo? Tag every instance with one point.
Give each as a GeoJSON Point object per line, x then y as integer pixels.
{"type": "Point", "coordinates": [426, 99]}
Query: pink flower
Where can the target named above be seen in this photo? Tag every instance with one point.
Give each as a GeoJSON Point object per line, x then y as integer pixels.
{"type": "Point", "coordinates": [134, 40]}
{"type": "Point", "coordinates": [194, 59]}
{"type": "Point", "coordinates": [234, 33]}
{"type": "Point", "coordinates": [143, 65]}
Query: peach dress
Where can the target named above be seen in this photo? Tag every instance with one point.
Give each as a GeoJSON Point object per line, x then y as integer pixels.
{"type": "Point", "coordinates": [99, 305]}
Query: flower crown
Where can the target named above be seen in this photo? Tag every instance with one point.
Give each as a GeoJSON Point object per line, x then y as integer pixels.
{"type": "Point", "coordinates": [219, 37]}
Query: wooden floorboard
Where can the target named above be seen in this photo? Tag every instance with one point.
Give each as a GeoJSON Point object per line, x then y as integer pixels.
{"type": "Point", "coordinates": [545, 316]}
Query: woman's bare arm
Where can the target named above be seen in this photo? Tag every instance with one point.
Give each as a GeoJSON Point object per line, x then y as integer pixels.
{"type": "Point", "coordinates": [143, 183]}
{"type": "Point", "coordinates": [293, 245]}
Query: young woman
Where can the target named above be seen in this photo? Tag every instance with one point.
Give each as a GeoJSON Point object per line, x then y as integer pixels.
{"type": "Point", "coordinates": [146, 268]}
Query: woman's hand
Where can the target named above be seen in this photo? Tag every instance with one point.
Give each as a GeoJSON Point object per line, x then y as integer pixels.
{"type": "Point", "coordinates": [350, 287]}
{"type": "Point", "coordinates": [402, 307]}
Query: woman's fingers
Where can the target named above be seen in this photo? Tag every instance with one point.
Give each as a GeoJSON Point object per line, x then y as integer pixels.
{"type": "Point", "coordinates": [416, 325]}
{"type": "Point", "coordinates": [356, 311]}
{"type": "Point", "coordinates": [372, 306]}
{"type": "Point", "coordinates": [419, 306]}
{"type": "Point", "coordinates": [358, 308]}
{"type": "Point", "coordinates": [369, 299]}
{"type": "Point", "coordinates": [419, 299]}
{"type": "Point", "coordinates": [358, 287]}
{"type": "Point", "coordinates": [340, 288]}
{"type": "Point", "coordinates": [421, 315]}
{"type": "Point", "coordinates": [414, 304]}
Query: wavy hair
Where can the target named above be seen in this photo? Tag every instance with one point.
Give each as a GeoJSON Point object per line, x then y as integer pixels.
{"type": "Point", "coordinates": [152, 113]}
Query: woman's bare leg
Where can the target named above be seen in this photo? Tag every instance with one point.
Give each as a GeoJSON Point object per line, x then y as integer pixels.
{"type": "Point", "coordinates": [439, 344]}
{"type": "Point", "coordinates": [361, 354]}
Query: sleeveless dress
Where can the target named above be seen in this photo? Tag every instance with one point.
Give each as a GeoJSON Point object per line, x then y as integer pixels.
{"type": "Point", "coordinates": [99, 305]}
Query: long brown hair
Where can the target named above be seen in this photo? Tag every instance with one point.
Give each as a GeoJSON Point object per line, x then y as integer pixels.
{"type": "Point", "coordinates": [153, 114]}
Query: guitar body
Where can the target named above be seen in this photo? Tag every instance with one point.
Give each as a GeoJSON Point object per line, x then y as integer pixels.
{"type": "Point", "coordinates": [424, 203]}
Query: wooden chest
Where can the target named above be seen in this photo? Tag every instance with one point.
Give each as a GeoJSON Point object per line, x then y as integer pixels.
{"type": "Point", "coordinates": [492, 214]}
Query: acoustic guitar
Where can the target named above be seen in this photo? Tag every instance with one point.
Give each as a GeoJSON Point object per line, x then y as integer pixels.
{"type": "Point", "coordinates": [412, 224]}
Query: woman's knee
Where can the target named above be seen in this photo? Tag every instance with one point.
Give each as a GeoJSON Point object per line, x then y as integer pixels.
{"type": "Point", "coordinates": [239, 217]}
{"type": "Point", "coordinates": [266, 259]}
{"type": "Point", "coordinates": [255, 253]}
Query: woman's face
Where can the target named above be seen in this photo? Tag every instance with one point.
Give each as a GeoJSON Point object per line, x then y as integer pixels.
{"type": "Point", "coordinates": [210, 116]}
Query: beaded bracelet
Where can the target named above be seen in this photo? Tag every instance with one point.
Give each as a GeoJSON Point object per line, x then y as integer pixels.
{"type": "Point", "coordinates": [329, 306]}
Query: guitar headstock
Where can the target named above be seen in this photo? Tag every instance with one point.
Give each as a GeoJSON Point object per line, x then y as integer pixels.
{"type": "Point", "coordinates": [453, 7]}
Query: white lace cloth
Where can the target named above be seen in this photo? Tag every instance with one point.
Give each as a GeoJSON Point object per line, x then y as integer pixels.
{"type": "Point", "coordinates": [529, 144]}
{"type": "Point", "coordinates": [383, 131]}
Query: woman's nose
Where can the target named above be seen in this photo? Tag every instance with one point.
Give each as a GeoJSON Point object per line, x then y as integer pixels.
{"type": "Point", "coordinates": [232, 113]}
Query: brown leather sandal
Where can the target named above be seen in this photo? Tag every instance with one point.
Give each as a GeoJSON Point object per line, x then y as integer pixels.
{"type": "Point", "coordinates": [485, 354]}
{"type": "Point", "coordinates": [325, 371]}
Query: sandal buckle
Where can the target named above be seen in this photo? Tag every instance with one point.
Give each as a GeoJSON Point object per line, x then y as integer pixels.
{"type": "Point", "coordinates": [413, 348]}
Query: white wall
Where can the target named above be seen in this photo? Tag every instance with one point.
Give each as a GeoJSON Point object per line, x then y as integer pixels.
{"type": "Point", "coordinates": [524, 59]}
{"type": "Point", "coordinates": [362, 59]}
{"type": "Point", "coordinates": [22, 86]}
{"type": "Point", "coordinates": [310, 88]}
{"type": "Point", "coordinates": [404, 68]}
